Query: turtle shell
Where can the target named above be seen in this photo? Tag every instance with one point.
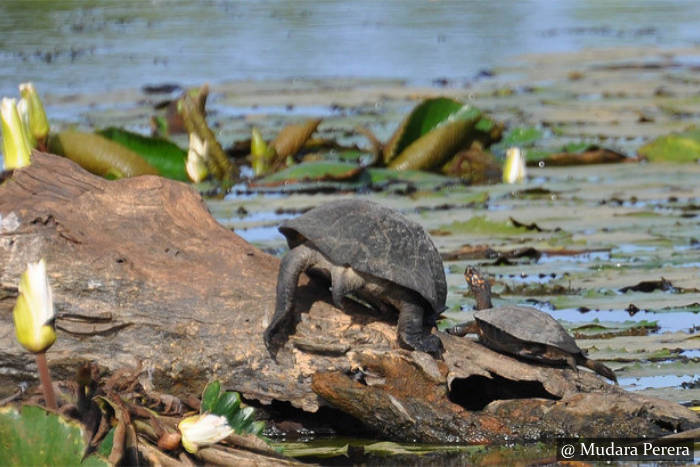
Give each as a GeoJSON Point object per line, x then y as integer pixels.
{"type": "Point", "coordinates": [528, 325]}
{"type": "Point", "coordinates": [375, 240]}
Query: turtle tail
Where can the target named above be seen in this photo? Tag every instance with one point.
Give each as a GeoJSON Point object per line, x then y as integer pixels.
{"type": "Point", "coordinates": [600, 369]}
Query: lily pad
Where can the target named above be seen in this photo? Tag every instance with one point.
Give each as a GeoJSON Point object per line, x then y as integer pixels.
{"type": "Point", "coordinates": [311, 172]}
{"type": "Point", "coordinates": [481, 225]}
{"type": "Point", "coordinates": [35, 436]}
{"type": "Point", "coordinates": [679, 147]}
{"type": "Point", "coordinates": [162, 154]}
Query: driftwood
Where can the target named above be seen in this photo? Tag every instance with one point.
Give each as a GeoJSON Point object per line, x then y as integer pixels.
{"type": "Point", "coordinates": [142, 272]}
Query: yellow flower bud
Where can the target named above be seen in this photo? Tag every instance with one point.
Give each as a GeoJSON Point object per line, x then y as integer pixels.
{"type": "Point", "coordinates": [514, 168]}
{"type": "Point", "coordinates": [203, 430]}
{"type": "Point", "coordinates": [197, 155]}
{"type": "Point", "coordinates": [23, 111]}
{"type": "Point", "coordinates": [34, 312]}
{"type": "Point", "coordinates": [38, 123]}
{"type": "Point", "coordinates": [261, 153]}
{"type": "Point", "coordinates": [15, 149]}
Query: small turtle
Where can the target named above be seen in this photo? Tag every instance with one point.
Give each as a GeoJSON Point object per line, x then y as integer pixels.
{"type": "Point", "coordinates": [373, 253]}
{"type": "Point", "coordinates": [525, 331]}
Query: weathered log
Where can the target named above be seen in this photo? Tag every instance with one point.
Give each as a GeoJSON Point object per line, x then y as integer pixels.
{"type": "Point", "coordinates": [141, 271]}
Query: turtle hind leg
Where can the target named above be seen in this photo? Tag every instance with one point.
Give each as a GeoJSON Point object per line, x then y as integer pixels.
{"type": "Point", "coordinates": [411, 332]}
{"type": "Point", "coordinates": [598, 368]}
{"type": "Point", "coordinates": [293, 264]}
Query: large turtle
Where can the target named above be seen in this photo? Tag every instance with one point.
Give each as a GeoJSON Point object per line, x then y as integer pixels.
{"type": "Point", "coordinates": [525, 331]}
{"type": "Point", "coordinates": [372, 252]}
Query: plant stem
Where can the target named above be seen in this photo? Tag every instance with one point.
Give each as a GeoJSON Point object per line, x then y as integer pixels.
{"type": "Point", "coordinates": [45, 379]}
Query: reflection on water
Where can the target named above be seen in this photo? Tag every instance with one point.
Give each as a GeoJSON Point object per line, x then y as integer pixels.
{"type": "Point", "coordinates": [77, 46]}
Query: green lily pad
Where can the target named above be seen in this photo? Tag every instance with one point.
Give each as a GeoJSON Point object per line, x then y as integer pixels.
{"type": "Point", "coordinates": [379, 176]}
{"type": "Point", "coordinates": [521, 136]}
{"type": "Point", "coordinates": [481, 225]}
{"type": "Point", "coordinates": [35, 436]}
{"type": "Point", "coordinates": [310, 172]}
{"type": "Point", "coordinates": [162, 154]}
{"type": "Point", "coordinates": [678, 147]}
{"type": "Point", "coordinates": [598, 328]}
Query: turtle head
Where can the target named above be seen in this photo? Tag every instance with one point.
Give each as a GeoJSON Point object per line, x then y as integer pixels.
{"type": "Point", "coordinates": [480, 287]}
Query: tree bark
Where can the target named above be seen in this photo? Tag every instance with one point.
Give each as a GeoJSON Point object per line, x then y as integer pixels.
{"type": "Point", "coordinates": [142, 272]}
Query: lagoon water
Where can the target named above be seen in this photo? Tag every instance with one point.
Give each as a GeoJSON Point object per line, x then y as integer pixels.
{"type": "Point", "coordinates": [75, 46]}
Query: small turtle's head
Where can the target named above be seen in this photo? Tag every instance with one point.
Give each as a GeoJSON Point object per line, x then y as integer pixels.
{"type": "Point", "coordinates": [480, 287]}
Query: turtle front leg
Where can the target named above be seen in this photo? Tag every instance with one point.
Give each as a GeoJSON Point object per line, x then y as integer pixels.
{"type": "Point", "coordinates": [293, 264]}
{"type": "Point", "coordinates": [411, 332]}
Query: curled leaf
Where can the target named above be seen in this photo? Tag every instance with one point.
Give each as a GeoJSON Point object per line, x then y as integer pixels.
{"type": "Point", "coordinates": [292, 138]}
{"type": "Point", "coordinates": [99, 155]}
{"type": "Point", "coordinates": [434, 148]}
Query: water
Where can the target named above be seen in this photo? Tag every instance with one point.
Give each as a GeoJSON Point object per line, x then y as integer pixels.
{"type": "Point", "coordinates": [92, 46]}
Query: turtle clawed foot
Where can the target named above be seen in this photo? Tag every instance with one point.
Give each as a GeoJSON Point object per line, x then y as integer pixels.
{"type": "Point", "coordinates": [427, 343]}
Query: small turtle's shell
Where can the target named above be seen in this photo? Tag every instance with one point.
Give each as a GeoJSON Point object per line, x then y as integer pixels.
{"type": "Point", "coordinates": [374, 240]}
{"type": "Point", "coordinates": [527, 325]}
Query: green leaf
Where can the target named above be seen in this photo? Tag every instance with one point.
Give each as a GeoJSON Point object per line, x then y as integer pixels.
{"type": "Point", "coordinates": [522, 136]}
{"type": "Point", "coordinates": [434, 131]}
{"type": "Point", "coordinates": [227, 405]}
{"type": "Point", "coordinates": [210, 396]}
{"type": "Point", "coordinates": [310, 172]}
{"type": "Point", "coordinates": [35, 436]}
{"type": "Point", "coordinates": [105, 447]}
{"type": "Point", "coordinates": [679, 148]}
{"type": "Point", "coordinates": [424, 118]}
{"type": "Point", "coordinates": [241, 420]}
{"type": "Point", "coordinates": [481, 225]}
{"type": "Point", "coordinates": [162, 154]}
{"type": "Point", "coordinates": [100, 155]}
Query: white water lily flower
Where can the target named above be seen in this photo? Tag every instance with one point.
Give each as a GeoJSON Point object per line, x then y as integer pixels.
{"type": "Point", "coordinates": [34, 312]}
{"type": "Point", "coordinates": [15, 147]}
{"type": "Point", "coordinates": [38, 123]}
{"type": "Point", "coordinates": [196, 164]}
{"type": "Point", "coordinates": [514, 168]}
{"type": "Point", "coordinates": [203, 430]}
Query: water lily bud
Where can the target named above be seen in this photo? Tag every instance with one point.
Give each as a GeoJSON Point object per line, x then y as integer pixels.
{"type": "Point", "coordinates": [38, 123]}
{"type": "Point", "coordinates": [196, 164]}
{"type": "Point", "coordinates": [203, 430]}
{"type": "Point", "coordinates": [514, 168]}
{"type": "Point", "coordinates": [23, 111]}
{"type": "Point", "coordinates": [34, 312]}
{"type": "Point", "coordinates": [260, 152]}
{"type": "Point", "coordinates": [15, 149]}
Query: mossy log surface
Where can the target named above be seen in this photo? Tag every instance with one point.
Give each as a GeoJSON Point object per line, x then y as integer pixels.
{"type": "Point", "coordinates": [142, 272]}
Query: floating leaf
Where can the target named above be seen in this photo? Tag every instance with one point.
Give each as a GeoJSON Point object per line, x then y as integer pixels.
{"type": "Point", "coordinates": [678, 147]}
{"type": "Point", "coordinates": [481, 225]}
{"type": "Point", "coordinates": [321, 449]}
{"type": "Point", "coordinates": [100, 155]}
{"type": "Point", "coordinates": [593, 155]}
{"type": "Point", "coordinates": [162, 154]}
{"type": "Point", "coordinates": [311, 171]}
{"type": "Point", "coordinates": [381, 176]}
{"type": "Point", "coordinates": [35, 436]}
{"type": "Point", "coordinates": [522, 136]}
